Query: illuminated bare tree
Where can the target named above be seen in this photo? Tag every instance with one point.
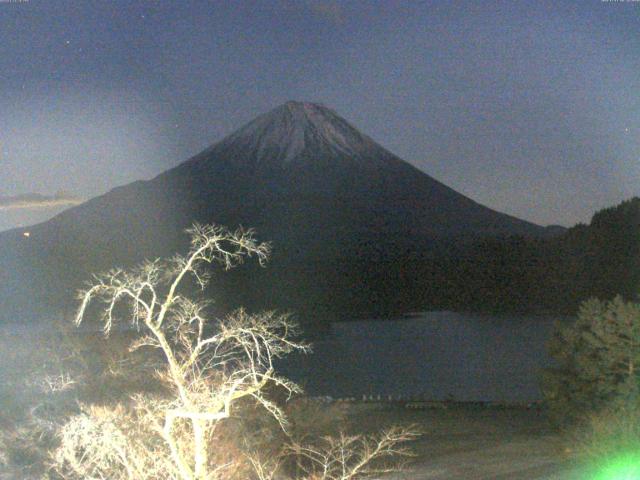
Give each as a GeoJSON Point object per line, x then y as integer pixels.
{"type": "Point", "coordinates": [209, 366]}
{"type": "Point", "coordinates": [347, 457]}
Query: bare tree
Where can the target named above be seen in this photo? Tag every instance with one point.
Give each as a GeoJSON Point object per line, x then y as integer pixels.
{"type": "Point", "coordinates": [208, 367]}
{"type": "Point", "coordinates": [347, 457]}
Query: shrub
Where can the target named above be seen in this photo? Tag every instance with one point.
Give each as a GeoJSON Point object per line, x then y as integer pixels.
{"type": "Point", "coordinates": [607, 443]}
{"type": "Point", "coordinates": [613, 431]}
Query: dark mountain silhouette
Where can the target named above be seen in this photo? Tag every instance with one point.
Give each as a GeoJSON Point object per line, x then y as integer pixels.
{"type": "Point", "coordinates": [346, 217]}
{"type": "Point", "coordinates": [553, 274]}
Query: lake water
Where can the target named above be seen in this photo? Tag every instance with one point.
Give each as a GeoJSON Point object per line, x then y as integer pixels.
{"type": "Point", "coordinates": [435, 355]}
{"type": "Point", "coordinates": [431, 355]}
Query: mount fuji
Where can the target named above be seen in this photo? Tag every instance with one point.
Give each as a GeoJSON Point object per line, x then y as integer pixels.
{"type": "Point", "coordinates": [349, 221]}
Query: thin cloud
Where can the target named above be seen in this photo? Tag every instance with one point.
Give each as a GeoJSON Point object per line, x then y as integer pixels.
{"type": "Point", "coordinates": [36, 200]}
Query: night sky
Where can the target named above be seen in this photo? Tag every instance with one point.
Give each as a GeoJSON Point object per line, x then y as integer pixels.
{"type": "Point", "coordinates": [530, 107]}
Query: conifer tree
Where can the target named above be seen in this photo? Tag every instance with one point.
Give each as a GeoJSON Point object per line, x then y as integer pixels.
{"type": "Point", "coordinates": [597, 360]}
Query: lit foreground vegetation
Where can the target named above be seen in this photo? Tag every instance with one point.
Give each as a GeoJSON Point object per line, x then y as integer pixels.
{"type": "Point", "coordinates": [212, 406]}
{"type": "Point", "coordinates": [593, 392]}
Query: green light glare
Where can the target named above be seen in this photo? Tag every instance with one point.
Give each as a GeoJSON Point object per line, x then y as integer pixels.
{"type": "Point", "coordinates": [621, 467]}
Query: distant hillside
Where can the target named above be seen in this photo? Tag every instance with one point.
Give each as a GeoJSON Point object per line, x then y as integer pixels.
{"type": "Point", "coordinates": [351, 223]}
{"type": "Point", "coordinates": [554, 274]}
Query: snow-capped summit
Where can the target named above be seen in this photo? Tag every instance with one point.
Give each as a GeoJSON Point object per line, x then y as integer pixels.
{"type": "Point", "coordinates": [296, 133]}
{"type": "Point", "coordinates": [295, 130]}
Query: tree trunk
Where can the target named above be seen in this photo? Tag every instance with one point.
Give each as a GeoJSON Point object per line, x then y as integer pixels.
{"type": "Point", "coordinates": [199, 449]}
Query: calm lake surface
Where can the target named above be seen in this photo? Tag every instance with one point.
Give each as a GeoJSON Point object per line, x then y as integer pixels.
{"type": "Point", "coordinates": [433, 355]}
{"type": "Point", "coordinates": [436, 355]}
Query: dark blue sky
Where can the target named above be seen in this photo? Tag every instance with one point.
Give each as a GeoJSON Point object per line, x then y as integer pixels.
{"type": "Point", "coordinates": [530, 107]}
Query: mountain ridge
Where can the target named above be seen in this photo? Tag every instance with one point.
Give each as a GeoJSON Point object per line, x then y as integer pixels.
{"type": "Point", "coordinates": [329, 197]}
{"type": "Point", "coordinates": [314, 166]}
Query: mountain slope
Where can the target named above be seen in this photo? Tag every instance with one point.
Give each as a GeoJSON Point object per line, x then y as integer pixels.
{"type": "Point", "coordinates": [335, 204]}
